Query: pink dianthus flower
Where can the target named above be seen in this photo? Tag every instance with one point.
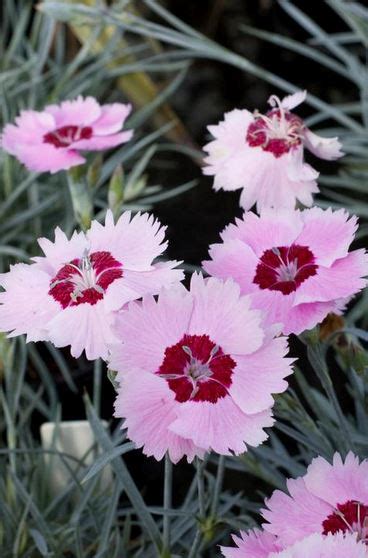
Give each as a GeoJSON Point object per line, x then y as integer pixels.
{"type": "Point", "coordinates": [329, 499]}
{"type": "Point", "coordinates": [257, 545]}
{"type": "Point", "coordinates": [197, 371]}
{"type": "Point", "coordinates": [262, 154]}
{"type": "Point", "coordinates": [51, 140]}
{"type": "Point", "coordinates": [70, 296]}
{"type": "Point", "coordinates": [295, 264]}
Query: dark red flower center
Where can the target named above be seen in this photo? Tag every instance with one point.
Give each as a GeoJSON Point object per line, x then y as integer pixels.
{"type": "Point", "coordinates": [277, 131]}
{"type": "Point", "coordinates": [197, 369]}
{"type": "Point", "coordinates": [85, 280]}
{"type": "Point", "coordinates": [284, 268]}
{"type": "Point", "coordinates": [351, 516]}
{"type": "Point", "coordinates": [64, 136]}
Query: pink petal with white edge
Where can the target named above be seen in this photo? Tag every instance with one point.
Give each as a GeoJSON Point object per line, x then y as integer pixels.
{"type": "Point", "coordinates": [112, 118]}
{"type": "Point", "coordinates": [148, 328]}
{"type": "Point", "coordinates": [271, 185]}
{"type": "Point", "coordinates": [304, 195]}
{"type": "Point", "coordinates": [118, 294]}
{"type": "Point", "coordinates": [48, 159]}
{"type": "Point", "coordinates": [221, 426]}
{"type": "Point", "coordinates": [248, 196]}
{"type": "Point", "coordinates": [242, 169]}
{"type": "Point", "coordinates": [232, 130]}
{"type": "Point", "coordinates": [293, 517]}
{"type": "Point", "coordinates": [78, 112]}
{"type": "Point", "coordinates": [149, 407]}
{"type": "Point", "coordinates": [235, 260]}
{"type": "Point", "coordinates": [228, 153]}
{"type": "Point", "coordinates": [291, 101]}
{"type": "Point", "coordinates": [297, 170]}
{"type": "Point", "coordinates": [220, 312]}
{"type": "Point", "coordinates": [298, 181]}
{"type": "Point", "coordinates": [271, 228]}
{"type": "Point", "coordinates": [327, 233]}
{"type": "Point", "coordinates": [342, 279]}
{"type": "Point", "coordinates": [162, 275]}
{"type": "Point", "coordinates": [306, 316]}
{"type": "Point", "coordinates": [99, 143]}
{"type": "Point", "coordinates": [25, 307]}
{"type": "Point", "coordinates": [286, 182]}
{"type": "Point", "coordinates": [339, 545]}
{"type": "Point", "coordinates": [339, 482]}
{"type": "Point", "coordinates": [259, 375]}
{"type": "Point", "coordinates": [62, 250]}
{"type": "Point", "coordinates": [134, 241]}
{"type": "Point", "coordinates": [84, 327]}
{"type": "Point", "coordinates": [135, 284]}
{"type": "Point", "coordinates": [324, 148]}
{"type": "Point", "coordinates": [274, 305]}
{"type": "Point", "coordinates": [253, 544]}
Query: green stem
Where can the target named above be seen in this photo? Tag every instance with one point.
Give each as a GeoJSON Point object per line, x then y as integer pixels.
{"type": "Point", "coordinates": [201, 508]}
{"type": "Point", "coordinates": [195, 546]}
{"type": "Point", "coordinates": [167, 506]}
{"type": "Point", "coordinates": [317, 361]}
{"type": "Point", "coordinates": [97, 382]}
{"type": "Point", "coordinates": [218, 485]}
{"type": "Point", "coordinates": [200, 485]}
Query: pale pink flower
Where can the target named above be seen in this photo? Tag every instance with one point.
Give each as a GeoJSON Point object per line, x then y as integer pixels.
{"type": "Point", "coordinates": [329, 499]}
{"type": "Point", "coordinates": [258, 545]}
{"type": "Point", "coordinates": [71, 295]}
{"type": "Point", "coordinates": [52, 140]}
{"type": "Point", "coordinates": [318, 546]}
{"type": "Point", "coordinates": [253, 544]}
{"type": "Point", "coordinates": [263, 155]}
{"type": "Point", "coordinates": [295, 264]}
{"type": "Point", "coordinates": [197, 371]}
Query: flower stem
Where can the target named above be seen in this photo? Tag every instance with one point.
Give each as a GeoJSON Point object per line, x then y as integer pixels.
{"type": "Point", "coordinates": [200, 465]}
{"type": "Point", "coordinates": [97, 381]}
{"type": "Point", "coordinates": [195, 546]}
{"type": "Point", "coordinates": [318, 363]}
{"type": "Point", "coordinates": [167, 506]}
{"type": "Point", "coordinates": [218, 485]}
{"type": "Point", "coordinates": [200, 485]}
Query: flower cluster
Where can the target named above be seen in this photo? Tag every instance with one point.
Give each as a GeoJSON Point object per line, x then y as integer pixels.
{"type": "Point", "coordinates": [197, 368]}
{"type": "Point", "coordinates": [324, 514]}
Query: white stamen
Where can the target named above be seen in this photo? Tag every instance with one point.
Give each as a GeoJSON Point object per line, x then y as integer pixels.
{"type": "Point", "coordinates": [277, 125]}
{"type": "Point", "coordinates": [83, 279]}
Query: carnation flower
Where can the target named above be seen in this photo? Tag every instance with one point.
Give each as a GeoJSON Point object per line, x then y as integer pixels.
{"type": "Point", "coordinates": [259, 544]}
{"type": "Point", "coordinates": [70, 295]}
{"type": "Point", "coordinates": [51, 140]}
{"type": "Point", "coordinates": [262, 154]}
{"type": "Point", "coordinates": [329, 499]}
{"type": "Point", "coordinates": [295, 264]}
{"type": "Point", "coordinates": [197, 371]}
